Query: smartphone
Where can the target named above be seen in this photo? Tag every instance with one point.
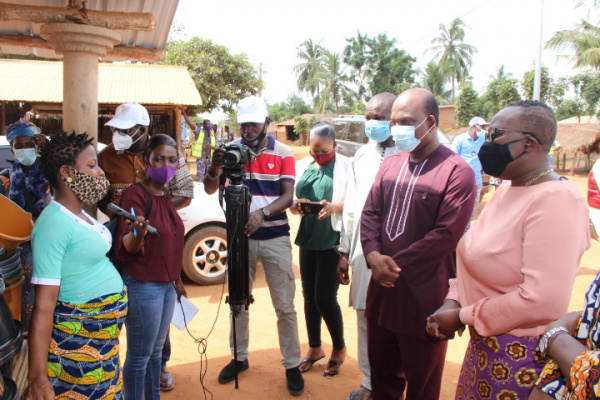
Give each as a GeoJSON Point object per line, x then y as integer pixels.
{"type": "Point", "coordinates": [312, 207]}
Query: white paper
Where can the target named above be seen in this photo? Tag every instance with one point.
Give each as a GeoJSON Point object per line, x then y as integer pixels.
{"type": "Point", "coordinates": [183, 307]}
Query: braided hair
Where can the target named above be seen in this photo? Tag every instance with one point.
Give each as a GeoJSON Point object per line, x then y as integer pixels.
{"type": "Point", "coordinates": [62, 149]}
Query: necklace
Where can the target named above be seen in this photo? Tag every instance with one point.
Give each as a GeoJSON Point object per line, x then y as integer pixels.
{"type": "Point", "coordinates": [538, 176]}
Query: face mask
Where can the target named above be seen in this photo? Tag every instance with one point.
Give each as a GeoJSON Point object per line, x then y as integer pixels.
{"type": "Point", "coordinates": [404, 136]}
{"type": "Point", "coordinates": [89, 189]}
{"type": "Point", "coordinates": [377, 130]}
{"type": "Point", "coordinates": [324, 159]}
{"type": "Point", "coordinates": [495, 157]}
{"type": "Point", "coordinates": [124, 142]}
{"type": "Point", "coordinates": [26, 157]}
{"type": "Point", "coordinates": [162, 174]}
{"type": "Point", "coordinates": [259, 139]}
{"type": "Point", "coordinates": [481, 133]}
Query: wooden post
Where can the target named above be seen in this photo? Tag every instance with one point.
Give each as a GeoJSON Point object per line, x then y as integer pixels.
{"type": "Point", "coordinates": [575, 157]}
{"type": "Point", "coordinates": [564, 166]}
{"type": "Point", "coordinates": [176, 115]}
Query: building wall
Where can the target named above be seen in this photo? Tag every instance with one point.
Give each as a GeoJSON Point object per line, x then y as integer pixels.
{"type": "Point", "coordinates": [447, 117]}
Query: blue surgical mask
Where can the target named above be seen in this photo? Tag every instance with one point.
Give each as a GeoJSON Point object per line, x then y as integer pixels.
{"type": "Point", "coordinates": [377, 130]}
{"type": "Point", "coordinates": [404, 136]}
{"type": "Point", "coordinates": [26, 157]}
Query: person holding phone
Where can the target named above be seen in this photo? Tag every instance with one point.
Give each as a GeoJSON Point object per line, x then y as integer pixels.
{"type": "Point", "coordinates": [320, 193]}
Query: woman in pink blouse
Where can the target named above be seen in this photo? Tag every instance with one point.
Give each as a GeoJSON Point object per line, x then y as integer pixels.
{"type": "Point", "coordinates": [517, 265]}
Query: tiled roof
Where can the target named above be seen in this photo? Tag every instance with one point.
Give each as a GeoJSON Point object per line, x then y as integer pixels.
{"type": "Point", "coordinates": [41, 82]}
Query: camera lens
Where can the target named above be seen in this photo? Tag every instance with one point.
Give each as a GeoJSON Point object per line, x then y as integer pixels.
{"type": "Point", "coordinates": [231, 158]}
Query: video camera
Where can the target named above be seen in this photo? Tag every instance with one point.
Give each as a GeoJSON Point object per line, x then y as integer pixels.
{"type": "Point", "coordinates": [236, 154]}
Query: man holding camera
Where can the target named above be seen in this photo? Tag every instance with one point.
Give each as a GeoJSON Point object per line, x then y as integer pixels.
{"type": "Point", "coordinates": [270, 175]}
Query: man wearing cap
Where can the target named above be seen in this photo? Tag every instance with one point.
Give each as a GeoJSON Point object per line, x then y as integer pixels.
{"type": "Point", "coordinates": [124, 164]}
{"type": "Point", "coordinates": [203, 143]}
{"type": "Point", "coordinates": [467, 146]}
{"type": "Point", "coordinates": [24, 184]}
{"type": "Point", "coordinates": [270, 175]}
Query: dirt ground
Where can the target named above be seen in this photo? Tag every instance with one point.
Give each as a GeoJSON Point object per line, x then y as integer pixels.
{"type": "Point", "coordinates": [195, 364]}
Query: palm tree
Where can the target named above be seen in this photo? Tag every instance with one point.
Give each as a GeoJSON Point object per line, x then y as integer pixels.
{"type": "Point", "coordinates": [584, 40]}
{"type": "Point", "coordinates": [501, 74]}
{"type": "Point", "coordinates": [434, 79]}
{"type": "Point", "coordinates": [333, 80]}
{"type": "Point", "coordinates": [313, 56]}
{"type": "Point", "coordinates": [452, 52]}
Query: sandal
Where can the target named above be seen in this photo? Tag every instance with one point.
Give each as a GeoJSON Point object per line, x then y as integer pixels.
{"type": "Point", "coordinates": [332, 364]}
{"type": "Point", "coordinates": [310, 363]}
{"type": "Point", "coordinates": [361, 393]}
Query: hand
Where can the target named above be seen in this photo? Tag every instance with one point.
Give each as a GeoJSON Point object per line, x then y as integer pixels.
{"type": "Point", "coordinates": [39, 388]}
{"type": "Point", "coordinates": [298, 208]}
{"type": "Point", "coordinates": [342, 269]}
{"type": "Point", "coordinates": [254, 220]}
{"type": "Point", "coordinates": [568, 321]}
{"type": "Point", "coordinates": [384, 268]}
{"type": "Point", "coordinates": [180, 288]}
{"type": "Point", "coordinates": [139, 228]}
{"type": "Point", "coordinates": [443, 323]}
{"type": "Point", "coordinates": [327, 209]}
{"type": "Point", "coordinates": [217, 158]}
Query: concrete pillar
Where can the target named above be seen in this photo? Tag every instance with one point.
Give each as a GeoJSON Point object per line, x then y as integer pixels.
{"type": "Point", "coordinates": [80, 45]}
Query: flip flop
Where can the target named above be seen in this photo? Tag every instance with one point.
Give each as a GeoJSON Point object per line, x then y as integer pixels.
{"type": "Point", "coordinates": [361, 393]}
{"type": "Point", "coordinates": [331, 364]}
{"type": "Point", "coordinates": [309, 361]}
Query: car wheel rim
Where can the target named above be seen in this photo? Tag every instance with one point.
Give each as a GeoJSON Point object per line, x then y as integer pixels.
{"type": "Point", "coordinates": [210, 256]}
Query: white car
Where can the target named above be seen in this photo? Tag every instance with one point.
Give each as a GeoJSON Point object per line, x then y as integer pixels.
{"type": "Point", "coordinates": [593, 198]}
{"type": "Point", "coordinates": [205, 249]}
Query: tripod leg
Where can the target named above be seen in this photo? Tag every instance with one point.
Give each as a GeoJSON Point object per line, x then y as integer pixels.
{"type": "Point", "coordinates": [235, 364]}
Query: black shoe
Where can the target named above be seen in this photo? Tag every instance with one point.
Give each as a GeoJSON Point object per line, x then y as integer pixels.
{"type": "Point", "coordinates": [227, 374]}
{"type": "Point", "coordinates": [295, 382]}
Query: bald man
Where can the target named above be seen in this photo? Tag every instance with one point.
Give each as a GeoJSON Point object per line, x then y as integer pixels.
{"type": "Point", "coordinates": [414, 216]}
{"type": "Point", "coordinates": [362, 173]}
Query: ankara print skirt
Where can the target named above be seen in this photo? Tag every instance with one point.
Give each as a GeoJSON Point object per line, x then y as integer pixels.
{"type": "Point", "coordinates": [83, 359]}
{"type": "Point", "coordinates": [502, 367]}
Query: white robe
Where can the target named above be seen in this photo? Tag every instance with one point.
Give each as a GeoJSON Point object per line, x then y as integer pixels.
{"type": "Point", "coordinates": [362, 173]}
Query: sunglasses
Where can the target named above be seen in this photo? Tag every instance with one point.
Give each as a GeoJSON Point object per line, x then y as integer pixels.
{"type": "Point", "coordinates": [493, 133]}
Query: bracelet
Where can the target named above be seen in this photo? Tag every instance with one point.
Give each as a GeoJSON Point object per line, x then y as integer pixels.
{"type": "Point", "coordinates": [548, 337]}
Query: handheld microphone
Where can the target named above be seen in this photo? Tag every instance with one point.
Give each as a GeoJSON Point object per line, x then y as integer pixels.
{"type": "Point", "coordinates": [120, 212]}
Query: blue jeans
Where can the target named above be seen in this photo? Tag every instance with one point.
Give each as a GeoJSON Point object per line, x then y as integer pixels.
{"type": "Point", "coordinates": [151, 307]}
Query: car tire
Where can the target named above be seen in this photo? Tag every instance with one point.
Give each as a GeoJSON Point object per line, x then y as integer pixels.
{"type": "Point", "coordinates": [205, 255]}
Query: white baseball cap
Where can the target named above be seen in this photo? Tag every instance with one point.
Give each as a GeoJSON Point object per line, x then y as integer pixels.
{"type": "Point", "coordinates": [252, 109]}
{"type": "Point", "coordinates": [129, 115]}
{"type": "Point", "coordinates": [477, 121]}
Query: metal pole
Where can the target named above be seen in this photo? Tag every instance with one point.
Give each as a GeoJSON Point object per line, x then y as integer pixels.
{"type": "Point", "coordinates": [537, 82]}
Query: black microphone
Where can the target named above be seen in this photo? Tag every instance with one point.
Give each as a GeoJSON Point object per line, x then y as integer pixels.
{"type": "Point", "coordinates": [119, 211]}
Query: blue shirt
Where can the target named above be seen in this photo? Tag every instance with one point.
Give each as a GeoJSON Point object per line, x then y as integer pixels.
{"type": "Point", "coordinates": [468, 149]}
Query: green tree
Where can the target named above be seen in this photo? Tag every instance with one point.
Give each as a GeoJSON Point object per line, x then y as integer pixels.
{"type": "Point", "coordinates": [498, 94]}
{"type": "Point", "coordinates": [222, 78]}
{"type": "Point", "coordinates": [434, 79]}
{"type": "Point", "coordinates": [501, 74]}
{"type": "Point", "coordinates": [334, 82]}
{"type": "Point", "coordinates": [584, 41]}
{"type": "Point", "coordinates": [453, 53]}
{"type": "Point", "coordinates": [545, 87]}
{"type": "Point", "coordinates": [292, 107]}
{"type": "Point", "coordinates": [467, 106]}
{"type": "Point", "coordinates": [587, 92]}
{"type": "Point", "coordinates": [378, 65]}
{"type": "Point", "coordinates": [313, 56]}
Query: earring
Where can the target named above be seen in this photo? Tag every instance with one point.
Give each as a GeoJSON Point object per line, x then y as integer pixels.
{"type": "Point", "coordinates": [69, 179]}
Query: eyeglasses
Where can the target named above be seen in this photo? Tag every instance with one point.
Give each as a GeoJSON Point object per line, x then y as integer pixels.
{"type": "Point", "coordinates": [493, 133]}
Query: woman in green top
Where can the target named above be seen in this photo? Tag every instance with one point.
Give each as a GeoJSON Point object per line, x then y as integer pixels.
{"type": "Point", "coordinates": [322, 179]}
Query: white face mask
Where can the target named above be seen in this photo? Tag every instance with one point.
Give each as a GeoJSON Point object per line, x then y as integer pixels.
{"type": "Point", "coordinates": [26, 157]}
{"type": "Point", "coordinates": [123, 142]}
{"type": "Point", "coordinates": [404, 136]}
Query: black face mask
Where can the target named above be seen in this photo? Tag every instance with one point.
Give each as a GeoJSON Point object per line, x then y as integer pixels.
{"type": "Point", "coordinates": [258, 139]}
{"type": "Point", "coordinates": [495, 157]}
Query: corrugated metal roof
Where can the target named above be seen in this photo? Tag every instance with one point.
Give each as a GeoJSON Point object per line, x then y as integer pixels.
{"type": "Point", "coordinates": [41, 81]}
{"type": "Point", "coordinates": [163, 11]}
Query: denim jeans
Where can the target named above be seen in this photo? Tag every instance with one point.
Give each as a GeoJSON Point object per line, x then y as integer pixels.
{"type": "Point", "coordinates": [151, 307]}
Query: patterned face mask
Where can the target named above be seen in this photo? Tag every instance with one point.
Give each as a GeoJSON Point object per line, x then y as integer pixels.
{"type": "Point", "coordinates": [87, 188]}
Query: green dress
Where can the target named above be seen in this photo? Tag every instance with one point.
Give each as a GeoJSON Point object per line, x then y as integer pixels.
{"type": "Point", "coordinates": [316, 184]}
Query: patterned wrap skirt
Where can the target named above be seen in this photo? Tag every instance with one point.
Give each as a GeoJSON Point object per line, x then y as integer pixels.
{"type": "Point", "coordinates": [83, 359]}
{"type": "Point", "coordinates": [502, 367]}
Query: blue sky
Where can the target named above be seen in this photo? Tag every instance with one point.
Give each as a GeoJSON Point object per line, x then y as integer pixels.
{"type": "Point", "coordinates": [269, 31]}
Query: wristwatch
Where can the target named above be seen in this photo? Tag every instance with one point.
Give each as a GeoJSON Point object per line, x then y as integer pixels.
{"type": "Point", "coordinates": [266, 212]}
{"type": "Point", "coordinates": [548, 337]}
